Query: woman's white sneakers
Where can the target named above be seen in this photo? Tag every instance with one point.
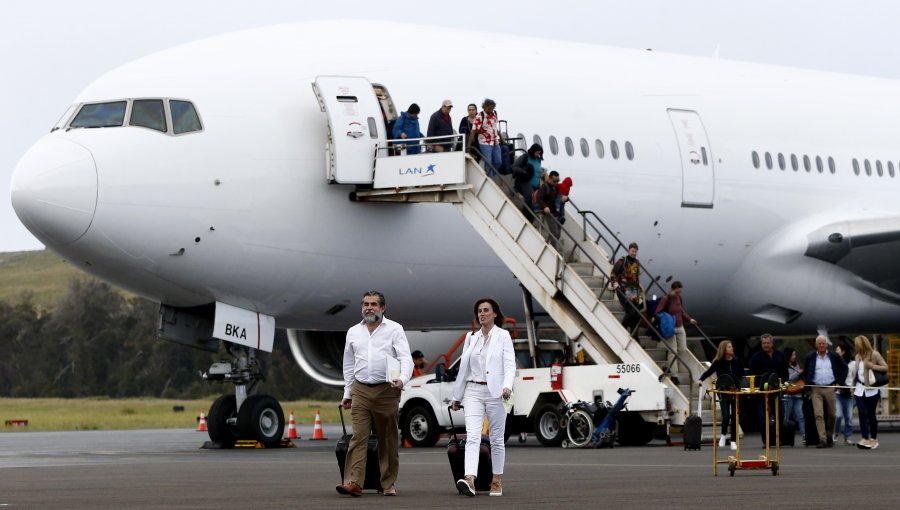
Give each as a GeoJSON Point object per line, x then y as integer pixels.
{"type": "Point", "coordinates": [723, 440]}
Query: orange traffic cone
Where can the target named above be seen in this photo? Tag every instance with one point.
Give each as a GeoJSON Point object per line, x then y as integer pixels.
{"type": "Point", "coordinates": [292, 427]}
{"type": "Point", "coordinates": [201, 427]}
{"type": "Point", "coordinates": [318, 434]}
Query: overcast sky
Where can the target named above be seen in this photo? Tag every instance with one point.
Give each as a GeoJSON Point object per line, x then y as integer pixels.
{"type": "Point", "coordinates": [50, 50]}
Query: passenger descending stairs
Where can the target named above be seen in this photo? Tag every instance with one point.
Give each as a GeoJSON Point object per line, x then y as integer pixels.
{"type": "Point", "coordinates": [570, 286]}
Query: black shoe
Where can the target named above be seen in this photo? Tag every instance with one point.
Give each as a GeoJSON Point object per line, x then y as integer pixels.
{"type": "Point", "coordinates": [675, 380]}
{"type": "Point", "coordinates": [821, 445]}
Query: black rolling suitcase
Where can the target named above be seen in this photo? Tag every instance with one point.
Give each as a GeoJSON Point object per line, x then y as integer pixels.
{"type": "Point", "coordinates": [693, 428]}
{"type": "Point", "coordinates": [456, 453]}
{"type": "Point", "coordinates": [809, 422]}
{"type": "Point", "coordinates": [373, 469]}
{"type": "Point", "coordinates": [788, 433]}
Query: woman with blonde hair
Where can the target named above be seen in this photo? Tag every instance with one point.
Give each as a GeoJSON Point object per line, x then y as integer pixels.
{"type": "Point", "coordinates": [867, 361]}
{"type": "Point", "coordinates": [726, 362]}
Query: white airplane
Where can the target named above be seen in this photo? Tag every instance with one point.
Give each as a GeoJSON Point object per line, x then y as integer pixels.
{"type": "Point", "coordinates": [198, 177]}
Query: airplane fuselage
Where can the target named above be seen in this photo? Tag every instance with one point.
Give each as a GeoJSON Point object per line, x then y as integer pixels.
{"type": "Point", "coordinates": [241, 211]}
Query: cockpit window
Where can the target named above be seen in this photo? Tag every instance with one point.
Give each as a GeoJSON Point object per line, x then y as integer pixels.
{"type": "Point", "coordinates": [100, 115]}
{"type": "Point", "coordinates": [148, 113]}
{"type": "Point", "coordinates": [184, 117]}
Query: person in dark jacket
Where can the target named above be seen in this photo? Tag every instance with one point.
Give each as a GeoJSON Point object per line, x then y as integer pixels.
{"type": "Point", "coordinates": [767, 361]}
{"type": "Point", "coordinates": [546, 198]}
{"type": "Point", "coordinates": [725, 362]}
{"type": "Point", "coordinates": [407, 126]}
{"type": "Point", "coordinates": [465, 125]}
{"type": "Point", "coordinates": [523, 171]}
{"type": "Point", "coordinates": [440, 124]}
{"type": "Point", "coordinates": [824, 369]}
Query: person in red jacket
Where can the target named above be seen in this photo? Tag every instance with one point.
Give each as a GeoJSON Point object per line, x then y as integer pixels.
{"type": "Point", "coordinates": [673, 305]}
{"type": "Point", "coordinates": [563, 188]}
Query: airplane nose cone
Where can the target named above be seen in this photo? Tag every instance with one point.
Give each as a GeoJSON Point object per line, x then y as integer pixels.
{"type": "Point", "coordinates": [54, 190]}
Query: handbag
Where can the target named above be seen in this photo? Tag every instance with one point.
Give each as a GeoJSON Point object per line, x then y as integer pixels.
{"type": "Point", "coordinates": [881, 378]}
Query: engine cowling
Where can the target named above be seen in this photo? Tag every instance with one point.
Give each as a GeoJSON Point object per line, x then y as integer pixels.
{"type": "Point", "coordinates": [320, 354]}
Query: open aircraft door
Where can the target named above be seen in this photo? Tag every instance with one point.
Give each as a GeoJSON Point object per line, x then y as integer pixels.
{"type": "Point", "coordinates": [697, 172]}
{"type": "Point", "coordinates": [355, 127]}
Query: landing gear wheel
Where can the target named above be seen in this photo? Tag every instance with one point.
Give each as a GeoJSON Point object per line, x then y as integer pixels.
{"type": "Point", "coordinates": [579, 428]}
{"type": "Point", "coordinates": [546, 426]}
{"type": "Point", "coordinates": [262, 419]}
{"type": "Point", "coordinates": [220, 431]}
{"type": "Point", "coordinates": [420, 427]}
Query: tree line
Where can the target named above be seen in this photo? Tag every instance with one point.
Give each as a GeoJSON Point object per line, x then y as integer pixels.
{"type": "Point", "coordinates": [96, 342]}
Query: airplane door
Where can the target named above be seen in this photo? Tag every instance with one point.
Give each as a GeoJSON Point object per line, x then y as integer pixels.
{"type": "Point", "coordinates": [355, 127]}
{"type": "Point", "coordinates": [697, 172]}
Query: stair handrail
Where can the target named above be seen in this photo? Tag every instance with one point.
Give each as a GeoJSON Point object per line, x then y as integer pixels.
{"type": "Point", "coordinates": [511, 193]}
{"type": "Point", "coordinates": [654, 281]}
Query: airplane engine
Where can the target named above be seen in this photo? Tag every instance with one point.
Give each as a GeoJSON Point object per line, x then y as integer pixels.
{"type": "Point", "coordinates": [320, 354]}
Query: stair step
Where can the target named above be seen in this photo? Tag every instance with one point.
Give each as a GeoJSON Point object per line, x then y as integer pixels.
{"type": "Point", "coordinates": [584, 269]}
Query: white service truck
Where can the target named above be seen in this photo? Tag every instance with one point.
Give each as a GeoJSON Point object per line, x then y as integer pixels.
{"type": "Point", "coordinates": [424, 413]}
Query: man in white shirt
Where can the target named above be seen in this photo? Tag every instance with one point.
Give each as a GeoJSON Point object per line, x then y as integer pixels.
{"type": "Point", "coordinates": [375, 346]}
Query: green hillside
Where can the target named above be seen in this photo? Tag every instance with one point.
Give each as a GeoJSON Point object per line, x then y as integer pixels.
{"type": "Point", "coordinates": [42, 274]}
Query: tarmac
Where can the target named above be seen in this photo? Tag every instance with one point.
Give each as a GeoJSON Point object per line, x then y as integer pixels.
{"type": "Point", "coordinates": [167, 469]}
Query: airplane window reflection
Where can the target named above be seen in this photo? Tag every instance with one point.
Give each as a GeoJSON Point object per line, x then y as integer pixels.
{"type": "Point", "coordinates": [100, 115]}
{"type": "Point", "coordinates": [768, 161]}
{"type": "Point", "coordinates": [819, 165]}
{"type": "Point", "coordinates": [598, 144]}
{"type": "Point", "coordinates": [891, 168]}
{"type": "Point", "coordinates": [755, 158]}
{"type": "Point", "coordinates": [855, 167]}
{"type": "Point", "coordinates": [554, 147]}
{"type": "Point", "coordinates": [614, 149]}
{"type": "Point", "coordinates": [806, 163]}
{"type": "Point", "coordinates": [831, 166]}
{"type": "Point", "coordinates": [629, 152]}
{"type": "Point", "coordinates": [148, 113]}
{"type": "Point", "coordinates": [184, 117]}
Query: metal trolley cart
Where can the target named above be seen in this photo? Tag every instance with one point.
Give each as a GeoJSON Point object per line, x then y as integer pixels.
{"type": "Point", "coordinates": [767, 386]}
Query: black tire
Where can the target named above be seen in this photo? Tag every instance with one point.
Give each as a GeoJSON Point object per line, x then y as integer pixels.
{"type": "Point", "coordinates": [219, 430]}
{"type": "Point", "coordinates": [546, 426]}
{"type": "Point", "coordinates": [420, 427]}
{"type": "Point", "coordinates": [262, 419]}
{"type": "Point", "coordinates": [632, 430]}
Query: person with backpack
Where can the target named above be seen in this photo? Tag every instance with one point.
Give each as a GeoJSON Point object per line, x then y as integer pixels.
{"type": "Point", "coordinates": [546, 199]}
{"type": "Point", "coordinates": [524, 169]}
{"type": "Point", "coordinates": [626, 281]}
{"type": "Point", "coordinates": [486, 131]}
{"type": "Point", "coordinates": [673, 305]}
{"type": "Point", "coordinates": [407, 126]}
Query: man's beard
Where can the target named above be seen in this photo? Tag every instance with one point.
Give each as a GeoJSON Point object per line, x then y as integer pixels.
{"type": "Point", "coordinates": [372, 318]}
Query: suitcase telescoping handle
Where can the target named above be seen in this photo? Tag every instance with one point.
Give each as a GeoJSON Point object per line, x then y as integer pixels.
{"type": "Point", "coordinates": [450, 414]}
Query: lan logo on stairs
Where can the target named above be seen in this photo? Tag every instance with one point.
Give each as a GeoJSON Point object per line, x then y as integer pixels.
{"type": "Point", "coordinates": [426, 172]}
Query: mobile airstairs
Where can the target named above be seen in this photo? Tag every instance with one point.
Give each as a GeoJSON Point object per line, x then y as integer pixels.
{"type": "Point", "coordinates": [571, 283]}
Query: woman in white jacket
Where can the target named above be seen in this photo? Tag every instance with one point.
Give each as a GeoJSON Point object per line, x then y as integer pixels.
{"type": "Point", "coordinates": [486, 371]}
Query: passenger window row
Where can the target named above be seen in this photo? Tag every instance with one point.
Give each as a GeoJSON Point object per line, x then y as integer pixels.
{"type": "Point", "coordinates": [155, 114]}
{"type": "Point", "coordinates": [794, 162]}
{"type": "Point", "coordinates": [879, 168]}
{"type": "Point", "coordinates": [585, 147]}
